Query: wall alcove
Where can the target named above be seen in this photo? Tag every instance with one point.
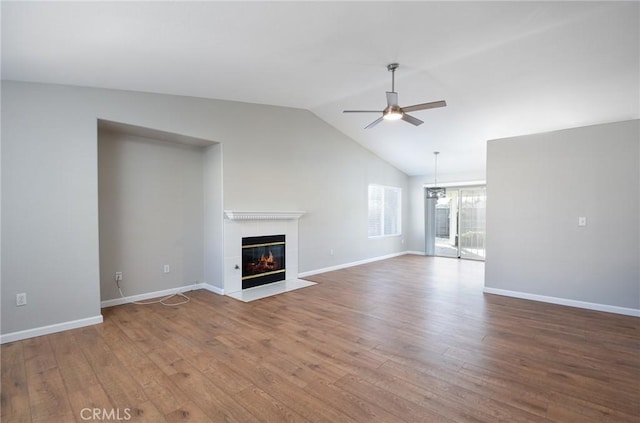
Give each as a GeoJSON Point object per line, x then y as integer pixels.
{"type": "Point", "coordinates": [160, 203]}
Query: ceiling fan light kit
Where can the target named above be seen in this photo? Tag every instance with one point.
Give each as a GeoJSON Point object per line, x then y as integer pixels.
{"type": "Point", "coordinates": [392, 113]}
{"type": "Point", "coordinates": [395, 112]}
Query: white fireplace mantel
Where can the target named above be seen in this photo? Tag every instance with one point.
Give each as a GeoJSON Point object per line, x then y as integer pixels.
{"type": "Point", "coordinates": [263, 215]}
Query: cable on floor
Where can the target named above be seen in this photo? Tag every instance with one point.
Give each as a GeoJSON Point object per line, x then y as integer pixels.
{"type": "Point", "coordinates": [160, 301]}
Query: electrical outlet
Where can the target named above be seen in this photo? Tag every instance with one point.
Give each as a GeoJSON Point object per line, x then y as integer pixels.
{"type": "Point", "coordinates": [167, 268]}
{"type": "Point", "coordinates": [21, 299]}
{"type": "Point", "coordinates": [118, 276]}
{"type": "Point", "coordinates": [331, 252]}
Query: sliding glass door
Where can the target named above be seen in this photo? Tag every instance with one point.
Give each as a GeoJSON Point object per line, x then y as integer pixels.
{"type": "Point", "coordinates": [455, 224]}
{"type": "Point", "coordinates": [446, 232]}
{"type": "Point", "coordinates": [473, 206]}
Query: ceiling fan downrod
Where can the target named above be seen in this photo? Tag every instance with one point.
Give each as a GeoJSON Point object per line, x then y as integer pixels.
{"type": "Point", "coordinates": [391, 67]}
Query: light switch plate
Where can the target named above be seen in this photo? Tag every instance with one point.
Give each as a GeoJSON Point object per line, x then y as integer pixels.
{"type": "Point", "coordinates": [582, 221]}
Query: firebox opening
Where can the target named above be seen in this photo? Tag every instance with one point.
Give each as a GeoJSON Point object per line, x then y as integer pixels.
{"type": "Point", "coordinates": [263, 260]}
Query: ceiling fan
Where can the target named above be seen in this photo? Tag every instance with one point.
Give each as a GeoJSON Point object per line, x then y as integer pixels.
{"type": "Point", "coordinates": [395, 112]}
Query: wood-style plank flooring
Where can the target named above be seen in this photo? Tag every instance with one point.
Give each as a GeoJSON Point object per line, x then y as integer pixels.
{"type": "Point", "coordinates": [410, 339]}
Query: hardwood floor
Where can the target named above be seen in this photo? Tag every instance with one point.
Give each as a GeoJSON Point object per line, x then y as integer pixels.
{"type": "Point", "coordinates": [410, 339]}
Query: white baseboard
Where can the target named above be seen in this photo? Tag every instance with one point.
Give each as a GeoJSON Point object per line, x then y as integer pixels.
{"type": "Point", "coordinates": [416, 253]}
{"type": "Point", "coordinates": [351, 264]}
{"type": "Point", "coordinates": [564, 301]}
{"type": "Point", "coordinates": [46, 330]}
{"type": "Point", "coordinates": [211, 288]}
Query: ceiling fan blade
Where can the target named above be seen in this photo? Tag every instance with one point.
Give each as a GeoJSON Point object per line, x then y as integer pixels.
{"type": "Point", "coordinates": [362, 111]}
{"type": "Point", "coordinates": [392, 98]}
{"type": "Point", "coordinates": [374, 123]}
{"type": "Point", "coordinates": [411, 120]}
{"type": "Point", "coordinates": [425, 106]}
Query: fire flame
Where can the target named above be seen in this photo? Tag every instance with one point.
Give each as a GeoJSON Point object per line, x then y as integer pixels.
{"type": "Point", "coordinates": [266, 263]}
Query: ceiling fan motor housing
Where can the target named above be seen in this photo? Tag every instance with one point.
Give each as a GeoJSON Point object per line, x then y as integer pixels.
{"type": "Point", "coordinates": [393, 112]}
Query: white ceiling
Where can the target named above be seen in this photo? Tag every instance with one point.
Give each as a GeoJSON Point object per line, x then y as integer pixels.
{"type": "Point", "coordinates": [504, 68]}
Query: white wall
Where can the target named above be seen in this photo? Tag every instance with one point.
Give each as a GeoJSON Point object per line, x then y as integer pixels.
{"type": "Point", "coordinates": [537, 187]}
{"type": "Point", "coordinates": [274, 159]}
{"type": "Point", "coordinates": [150, 212]}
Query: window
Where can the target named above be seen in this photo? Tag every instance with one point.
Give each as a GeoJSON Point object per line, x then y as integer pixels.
{"type": "Point", "coordinates": [385, 211]}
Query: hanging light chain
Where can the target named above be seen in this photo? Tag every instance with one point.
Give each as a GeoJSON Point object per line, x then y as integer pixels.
{"type": "Point", "coordinates": [435, 177]}
{"type": "Point", "coordinates": [436, 191]}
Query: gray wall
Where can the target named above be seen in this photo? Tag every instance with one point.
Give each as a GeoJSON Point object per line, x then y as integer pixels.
{"type": "Point", "coordinates": [49, 209]}
{"type": "Point", "coordinates": [274, 159]}
{"type": "Point", "coordinates": [150, 196]}
{"type": "Point", "coordinates": [415, 239]}
{"type": "Point", "coordinates": [537, 187]}
{"type": "Point", "coordinates": [213, 253]}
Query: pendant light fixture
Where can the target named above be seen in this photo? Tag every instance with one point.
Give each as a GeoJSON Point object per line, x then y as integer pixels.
{"type": "Point", "coordinates": [436, 191]}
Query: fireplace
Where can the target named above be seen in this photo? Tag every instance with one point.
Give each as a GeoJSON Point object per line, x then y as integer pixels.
{"type": "Point", "coordinates": [263, 260]}
{"type": "Point", "coordinates": [239, 224]}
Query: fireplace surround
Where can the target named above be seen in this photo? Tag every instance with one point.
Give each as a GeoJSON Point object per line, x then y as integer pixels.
{"type": "Point", "coordinates": [247, 224]}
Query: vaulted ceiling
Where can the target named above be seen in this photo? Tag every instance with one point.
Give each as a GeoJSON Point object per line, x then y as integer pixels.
{"type": "Point", "coordinates": [504, 68]}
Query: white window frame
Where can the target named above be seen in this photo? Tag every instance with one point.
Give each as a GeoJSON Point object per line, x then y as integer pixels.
{"type": "Point", "coordinates": [385, 190]}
